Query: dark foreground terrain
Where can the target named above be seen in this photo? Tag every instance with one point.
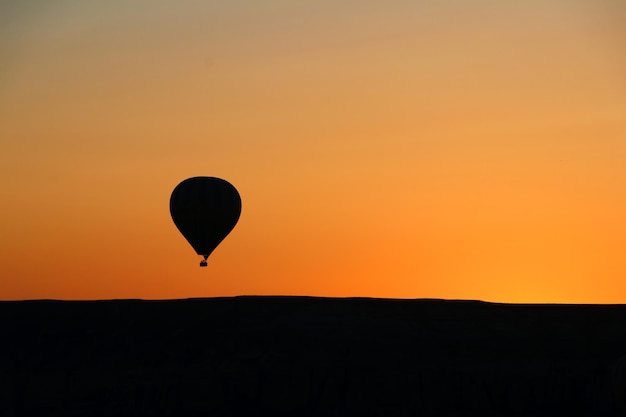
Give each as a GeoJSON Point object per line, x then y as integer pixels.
{"type": "Point", "coordinates": [299, 356]}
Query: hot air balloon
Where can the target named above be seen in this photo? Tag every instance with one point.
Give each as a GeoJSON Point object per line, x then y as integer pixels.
{"type": "Point", "coordinates": [205, 210]}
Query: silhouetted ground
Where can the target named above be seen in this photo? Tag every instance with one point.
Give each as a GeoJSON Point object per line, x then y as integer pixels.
{"type": "Point", "coordinates": [300, 356]}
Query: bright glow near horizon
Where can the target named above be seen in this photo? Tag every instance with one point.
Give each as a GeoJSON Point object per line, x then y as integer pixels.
{"type": "Point", "coordinates": [450, 149]}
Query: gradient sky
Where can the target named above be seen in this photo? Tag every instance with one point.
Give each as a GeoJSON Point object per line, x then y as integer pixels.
{"type": "Point", "coordinates": [468, 149]}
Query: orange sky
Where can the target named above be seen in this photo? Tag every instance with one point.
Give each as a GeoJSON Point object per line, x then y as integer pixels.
{"type": "Point", "coordinates": [449, 149]}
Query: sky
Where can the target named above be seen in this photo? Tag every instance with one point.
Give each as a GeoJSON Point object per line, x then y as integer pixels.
{"type": "Point", "coordinates": [456, 149]}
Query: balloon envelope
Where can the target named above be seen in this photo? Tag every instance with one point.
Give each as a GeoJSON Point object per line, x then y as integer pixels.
{"type": "Point", "coordinates": [205, 210]}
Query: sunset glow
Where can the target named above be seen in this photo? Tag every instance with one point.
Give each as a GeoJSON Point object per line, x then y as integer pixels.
{"type": "Point", "coordinates": [453, 149]}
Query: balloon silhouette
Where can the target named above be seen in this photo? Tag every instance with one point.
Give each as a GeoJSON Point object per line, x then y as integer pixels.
{"type": "Point", "coordinates": [205, 210]}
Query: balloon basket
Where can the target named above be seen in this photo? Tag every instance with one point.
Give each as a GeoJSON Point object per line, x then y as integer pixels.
{"type": "Point", "coordinates": [203, 263]}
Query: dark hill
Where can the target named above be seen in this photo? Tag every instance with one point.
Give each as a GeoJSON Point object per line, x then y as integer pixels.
{"type": "Point", "coordinates": [300, 356]}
